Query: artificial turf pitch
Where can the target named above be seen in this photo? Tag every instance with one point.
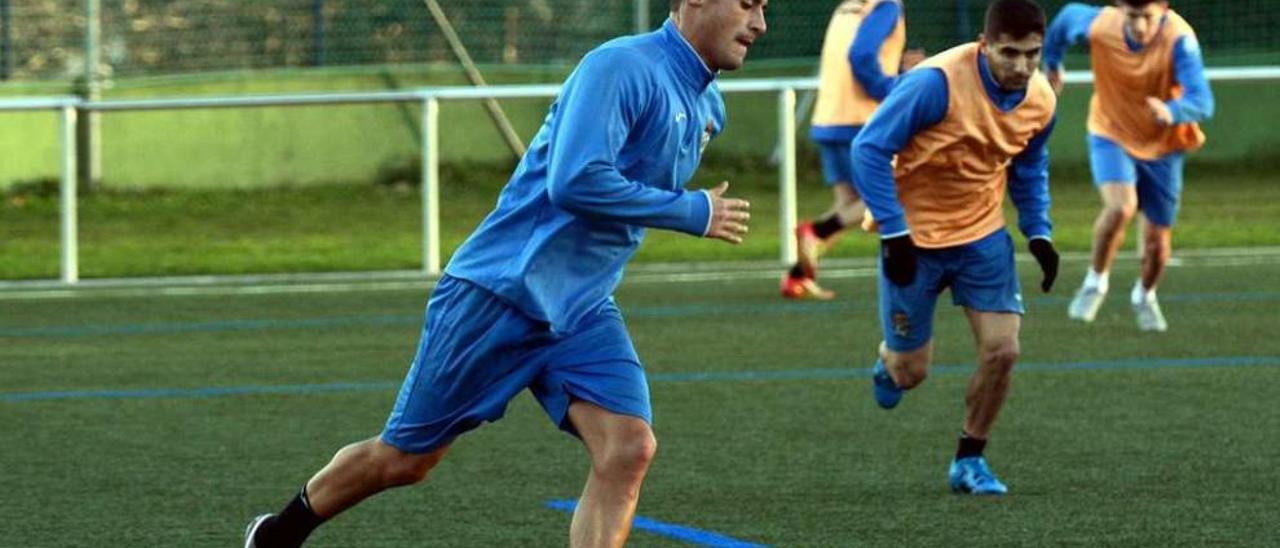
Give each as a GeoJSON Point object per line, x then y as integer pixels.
{"type": "Point", "coordinates": [170, 420]}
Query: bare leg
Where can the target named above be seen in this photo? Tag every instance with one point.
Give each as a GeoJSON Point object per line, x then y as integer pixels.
{"type": "Point", "coordinates": [363, 469]}
{"type": "Point", "coordinates": [621, 449]}
{"type": "Point", "coordinates": [908, 369]}
{"type": "Point", "coordinates": [814, 238]}
{"type": "Point", "coordinates": [1119, 203]}
{"type": "Point", "coordinates": [847, 209]}
{"type": "Point", "coordinates": [847, 205]}
{"type": "Point", "coordinates": [356, 472]}
{"type": "Point", "coordinates": [996, 335]}
{"type": "Point", "coordinates": [1157, 245]}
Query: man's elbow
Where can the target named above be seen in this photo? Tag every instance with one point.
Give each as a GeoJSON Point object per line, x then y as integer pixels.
{"type": "Point", "coordinates": [867, 72]}
{"type": "Point", "coordinates": [866, 64]}
{"type": "Point", "coordinates": [864, 155]}
{"type": "Point", "coordinates": [564, 194]}
{"type": "Point", "coordinates": [863, 151]}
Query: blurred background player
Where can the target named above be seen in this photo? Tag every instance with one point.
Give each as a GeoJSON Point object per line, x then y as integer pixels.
{"type": "Point", "coordinates": [861, 56]}
{"type": "Point", "coordinates": [527, 301]}
{"type": "Point", "coordinates": [1149, 94]}
{"type": "Point", "coordinates": [964, 125]}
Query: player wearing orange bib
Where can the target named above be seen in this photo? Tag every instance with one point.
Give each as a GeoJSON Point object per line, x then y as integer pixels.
{"type": "Point", "coordinates": [964, 125]}
{"type": "Point", "coordinates": [1149, 94]}
{"type": "Point", "coordinates": [861, 56]}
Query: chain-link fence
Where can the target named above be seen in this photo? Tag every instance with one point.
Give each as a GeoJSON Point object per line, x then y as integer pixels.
{"type": "Point", "coordinates": [45, 39]}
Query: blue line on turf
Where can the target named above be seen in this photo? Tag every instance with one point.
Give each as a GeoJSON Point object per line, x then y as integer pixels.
{"type": "Point", "coordinates": [865, 372]}
{"type": "Point", "coordinates": [208, 392]}
{"type": "Point", "coordinates": [692, 376]}
{"type": "Point", "coordinates": [633, 312]}
{"type": "Point", "coordinates": [670, 530]}
{"type": "Point", "coordinates": [204, 327]}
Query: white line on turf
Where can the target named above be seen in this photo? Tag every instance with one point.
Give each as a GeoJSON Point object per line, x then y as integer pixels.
{"type": "Point", "coordinates": [657, 273]}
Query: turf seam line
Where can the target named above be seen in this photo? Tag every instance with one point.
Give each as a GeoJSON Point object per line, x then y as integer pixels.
{"type": "Point", "coordinates": [833, 373]}
{"type": "Point", "coordinates": [266, 284]}
{"type": "Point", "coordinates": [630, 312]}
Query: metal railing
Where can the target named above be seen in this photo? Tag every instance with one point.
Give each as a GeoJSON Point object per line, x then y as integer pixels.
{"type": "Point", "coordinates": [429, 98]}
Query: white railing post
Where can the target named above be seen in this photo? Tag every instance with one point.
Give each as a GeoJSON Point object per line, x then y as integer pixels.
{"type": "Point", "coordinates": [93, 81]}
{"type": "Point", "coordinates": [787, 175]}
{"type": "Point", "coordinates": [431, 186]}
{"type": "Point", "coordinates": [640, 16]}
{"type": "Point", "coordinates": [70, 264]}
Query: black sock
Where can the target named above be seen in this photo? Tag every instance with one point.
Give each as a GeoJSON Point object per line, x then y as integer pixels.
{"type": "Point", "coordinates": [970, 446]}
{"type": "Point", "coordinates": [292, 525]}
{"type": "Point", "coordinates": [825, 228]}
{"type": "Point", "coordinates": [796, 272]}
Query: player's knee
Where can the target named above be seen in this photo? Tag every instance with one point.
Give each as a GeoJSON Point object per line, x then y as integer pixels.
{"type": "Point", "coordinates": [1154, 249]}
{"type": "Point", "coordinates": [1121, 211]}
{"type": "Point", "coordinates": [400, 468]}
{"type": "Point", "coordinates": [1156, 245]}
{"type": "Point", "coordinates": [628, 455]}
{"type": "Point", "coordinates": [1001, 354]}
{"type": "Point", "coordinates": [908, 372]}
{"type": "Point", "coordinates": [848, 200]}
{"type": "Point", "coordinates": [910, 377]}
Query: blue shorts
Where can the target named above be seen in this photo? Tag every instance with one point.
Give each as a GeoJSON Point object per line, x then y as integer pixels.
{"type": "Point", "coordinates": [477, 353]}
{"type": "Point", "coordinates": [981, 276]}
{"type": "Point", "coordinates": [1159, 182]}
{"type": "Point", "coordinates": [837, 163]}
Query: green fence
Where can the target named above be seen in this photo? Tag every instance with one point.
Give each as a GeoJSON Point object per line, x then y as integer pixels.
{"type": "Point", "coordinates": [46, 39]}
{"type": "Point", "coordinates": [228, 47]}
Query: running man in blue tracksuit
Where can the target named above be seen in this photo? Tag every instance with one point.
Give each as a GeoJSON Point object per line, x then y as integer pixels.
{"type": "Point", "coordinates": [526, 302]}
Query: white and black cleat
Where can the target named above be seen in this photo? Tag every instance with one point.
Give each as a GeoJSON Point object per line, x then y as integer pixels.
{"type": "Point", "coordinates": [252, 529]}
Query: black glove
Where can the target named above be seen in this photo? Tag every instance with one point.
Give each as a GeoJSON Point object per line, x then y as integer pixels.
{"type": "Point", "coordinates": [898, 257]}
{"type": "Point", "coordinates": [1042, 249]}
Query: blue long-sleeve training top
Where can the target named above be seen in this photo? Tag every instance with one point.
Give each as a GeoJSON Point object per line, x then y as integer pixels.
{"type": "Point", "coordinates": [612, 157]}
{"type": "Point", "coordinates": [864, 58]}
{"type": "Point", "coordinates": [919, 101]}
{"type": "Point", "coordinates": [1071, 26]}
{"type": "Point", "coordinates": [864, 54]}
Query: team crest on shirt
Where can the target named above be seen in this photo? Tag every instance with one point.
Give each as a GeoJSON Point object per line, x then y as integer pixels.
{"type": "Point", "coordinates": [901, 325]}
{"type": "Point", "coordinates": [707, 132]}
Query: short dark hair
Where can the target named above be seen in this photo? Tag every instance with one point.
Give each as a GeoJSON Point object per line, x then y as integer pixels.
{"type": "Point", "coordinates": [1138, 3]}
{"type": "Point", "coordinates": [1017, 18]}
{"type": "Point", "coordinates": [675, 5]}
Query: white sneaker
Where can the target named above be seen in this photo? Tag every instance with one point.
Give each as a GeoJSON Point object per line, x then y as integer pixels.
{"type": "Point", "coordinates": [1085, 305]}
{"type": "Point", "coordinates": [1149, 316]}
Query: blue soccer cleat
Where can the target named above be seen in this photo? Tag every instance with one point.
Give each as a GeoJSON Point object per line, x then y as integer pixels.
{"type": "Point", "coordinates": [886, 391]}
{"type": "Point", "coordinates": [972, 476]}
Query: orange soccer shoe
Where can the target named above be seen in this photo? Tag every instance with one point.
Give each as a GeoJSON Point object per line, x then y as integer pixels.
{"type": "Point", "coordinates": [804, 289]}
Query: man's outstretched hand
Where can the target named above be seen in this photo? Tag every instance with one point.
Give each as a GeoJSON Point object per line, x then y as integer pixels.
{"type": "Point", "coordinates": [729, 216]}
